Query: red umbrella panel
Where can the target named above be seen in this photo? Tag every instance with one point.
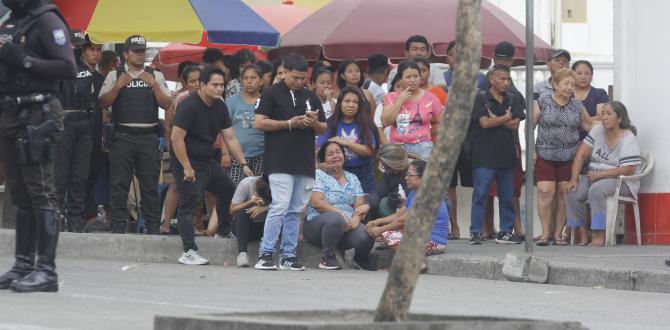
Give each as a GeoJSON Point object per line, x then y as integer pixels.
{"type": "Point", "coordinates": [170, 56]}
{"type": "Point", "coordinates": [355, 29]}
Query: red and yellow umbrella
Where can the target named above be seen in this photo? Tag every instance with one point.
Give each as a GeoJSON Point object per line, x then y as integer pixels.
{"type": "Point", "coordinates": [189, 21]}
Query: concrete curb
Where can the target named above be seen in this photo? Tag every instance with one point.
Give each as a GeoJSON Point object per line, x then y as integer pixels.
{"type": "Point", "coordinates": [219, 251]}
{"type": "Point", "coordinates": [560, 273]}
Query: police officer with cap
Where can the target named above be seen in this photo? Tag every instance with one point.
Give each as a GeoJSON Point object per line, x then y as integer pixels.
{"type": "Point", "coordinates": [74, 147]}
{"type": "Point", "coordinates": [35, 54]}
{"type": "Point", "coordinates": [135, 92]}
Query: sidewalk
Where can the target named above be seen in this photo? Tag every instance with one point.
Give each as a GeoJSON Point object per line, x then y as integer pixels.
{"type": "Point", "coordinates": [624, 267]}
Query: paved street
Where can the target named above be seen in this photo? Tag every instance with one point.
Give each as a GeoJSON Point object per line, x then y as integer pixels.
{"type": "Point", "coordinates": [101, 295]}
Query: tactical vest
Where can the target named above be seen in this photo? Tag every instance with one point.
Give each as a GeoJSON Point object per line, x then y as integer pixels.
{"type": "Point", "coordinates": [14, 79]}
{"type": "Point", "coordinates": [77, 94]}
{"type": "Point", "coordinates": [136, 102]}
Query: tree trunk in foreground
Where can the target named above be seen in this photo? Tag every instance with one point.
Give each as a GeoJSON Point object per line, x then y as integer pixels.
{"type": "Point", "coordinates": [404, 272]}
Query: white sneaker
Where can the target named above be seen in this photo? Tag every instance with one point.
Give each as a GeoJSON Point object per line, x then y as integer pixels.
{"type": "Point", "coordinates": [242, 260]}
{"type": "Point", "coordinates": [191, 257]}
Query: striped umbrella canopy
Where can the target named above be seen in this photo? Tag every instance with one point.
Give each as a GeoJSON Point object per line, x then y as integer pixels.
{"type": "Point", "coordinates": [202, 22]}
{"type": "Point", "coordinates": [308, 4]}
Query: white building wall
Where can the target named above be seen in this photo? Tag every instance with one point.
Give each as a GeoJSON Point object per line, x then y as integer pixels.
{"type": "Point", "coordinates": [640, 81]}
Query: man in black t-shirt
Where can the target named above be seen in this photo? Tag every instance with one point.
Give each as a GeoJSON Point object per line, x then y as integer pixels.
{"type": "Point", "coordinates": [198, 119]}
{"type": "Point", "coordinates": [495, 117]}
{"type": "Point", "coordinates": [291, 116]}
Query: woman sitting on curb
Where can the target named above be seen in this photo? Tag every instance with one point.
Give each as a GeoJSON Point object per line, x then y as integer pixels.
{"type": "Point", "coordinates": [335, 211]}
{"type": "Point", "coordinates": [249, 207]}
{"type": "Point", "coordinates": [390, 228]}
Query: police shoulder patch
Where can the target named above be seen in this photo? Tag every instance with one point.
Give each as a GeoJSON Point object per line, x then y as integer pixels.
{"type": "Point", "coordinates": [59, 37]}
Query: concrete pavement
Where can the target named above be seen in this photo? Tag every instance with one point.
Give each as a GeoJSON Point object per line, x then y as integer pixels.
{"type": "Point", "coordinates": [102, 295]}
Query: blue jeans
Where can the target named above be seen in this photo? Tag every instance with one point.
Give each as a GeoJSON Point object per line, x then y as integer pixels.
{"type": "Point", "coordinates": [422, 149]}
{"type": "Point", "coordinates": [290, 194]}
{"type": "Point", "coordinates": [482, 186]}
{"type": "Point", "coordinates": [365, 174]}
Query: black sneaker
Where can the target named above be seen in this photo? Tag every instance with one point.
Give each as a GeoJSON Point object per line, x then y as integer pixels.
{"type": "Point", "coordinates": [329, 263]}
{"type": "Point", "coordinates": [266, 262]}
{"type": "Point", "coordinates": [291, 263]}
{"type": "Point", "coordinates": [667, 262]}
{"type": "Point", "coordinates": [475, 239]}
{"type": "Point", "coordinates": [506, 238]}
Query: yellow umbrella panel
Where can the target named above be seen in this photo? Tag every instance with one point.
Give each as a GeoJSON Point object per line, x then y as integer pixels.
{"type": "Point", "coordinates": [157, 20]}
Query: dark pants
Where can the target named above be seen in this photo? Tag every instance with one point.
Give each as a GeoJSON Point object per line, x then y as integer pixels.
{"type": "Point", "coordinates": [31, 185]}
{"type": "Point", "coordinates": [90, 205]}
{"type": "Point", "coordinates": [327, 231]}
{"type": "Point", "coordinates": [209, 176]}
{"type": "Point", "coordinates": [72, 161]}
{"type": "Point", "coordinates": [248, 230]}
{"type": "Point", "coordinates": [135, 154]}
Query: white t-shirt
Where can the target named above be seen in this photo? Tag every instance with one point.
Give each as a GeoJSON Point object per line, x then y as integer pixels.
{"type": "Point", "coordinates": [377, 91]}
{"type": "Point", "coordinates": [245, 190]}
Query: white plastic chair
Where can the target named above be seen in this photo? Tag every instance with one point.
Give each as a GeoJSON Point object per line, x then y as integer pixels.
{"type": "Point", "coordinates": [614, 200]}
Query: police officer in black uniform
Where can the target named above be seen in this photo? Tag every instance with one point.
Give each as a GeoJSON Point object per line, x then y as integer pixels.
{"type": "Point", "coordinates": [74, 147]}
{"type": "Point", "coordinates": [35, 54]}
{"type": "Point", "coordinates": [135, 92]}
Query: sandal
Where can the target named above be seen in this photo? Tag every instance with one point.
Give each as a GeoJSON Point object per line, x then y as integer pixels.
{"type": "Point", "coordinates": [454, 236]}
{"type": "Point", "coordinates": [560, 242]}
{"type": "Point", "coordinates": [542, 242]}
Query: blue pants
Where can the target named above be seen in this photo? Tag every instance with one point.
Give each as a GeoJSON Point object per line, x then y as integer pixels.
{"type": "Point", "coordinates": [290, 194]}
{"type": "Point", "coordinates": [365, 174]}
{"type": "Point", "coordinates": [482, 185]}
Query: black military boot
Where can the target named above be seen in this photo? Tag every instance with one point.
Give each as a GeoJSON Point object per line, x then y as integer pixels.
{"type": "Point", "coordinates": [25, 248]}
{"type": "Point", "coordinates": [43, 278]}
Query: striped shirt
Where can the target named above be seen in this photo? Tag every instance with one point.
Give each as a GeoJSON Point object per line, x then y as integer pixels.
{"type": "Point", "coordinates": [625, 153]}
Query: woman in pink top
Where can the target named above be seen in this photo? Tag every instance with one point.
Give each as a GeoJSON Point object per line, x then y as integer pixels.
{"type": "Point", "coordinates": [412, 113]}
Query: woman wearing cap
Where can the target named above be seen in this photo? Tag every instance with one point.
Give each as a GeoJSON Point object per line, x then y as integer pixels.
{"type": "Point", "coordinates": [389, 192]}
{"type": "Point", "coordinates": [391, 228]}
{"type": "Point", "coordinates": [560, 118]}
{"type": "Point", "coordinates": [335, 211]}
{"type": "Point", "coordinates": [351, 126]}
{"type": "Point", "coordinates": [412, 113]}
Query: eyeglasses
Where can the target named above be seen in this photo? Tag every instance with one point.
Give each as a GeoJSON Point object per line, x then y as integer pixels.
{"type": "Point", "coordinates": [411, 175]}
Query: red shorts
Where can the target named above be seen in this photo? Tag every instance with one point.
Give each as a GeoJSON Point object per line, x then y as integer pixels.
{"type": "Point", "coordinates": [549, 170]}
{"type": "Point", "coordinates": [518, 182]}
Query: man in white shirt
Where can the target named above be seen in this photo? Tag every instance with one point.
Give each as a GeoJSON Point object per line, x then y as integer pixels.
{"type": "Point", "coordinates": [418, 46]}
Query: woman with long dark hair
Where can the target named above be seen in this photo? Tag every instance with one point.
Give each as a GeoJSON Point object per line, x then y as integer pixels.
{"type": "Point", "coordinates": [349, 73]}
{"type": "Point", "coordinates": [351, 126]}
{"type": "Point", "coordinates": [239, 60]}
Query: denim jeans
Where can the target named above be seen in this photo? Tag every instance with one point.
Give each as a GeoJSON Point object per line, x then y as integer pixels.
{"type": "Point", "coordinates": [290, 194]}
{"type": "Point", "coordinates": [483, 177]}
{"type": "Point", "coordinates": [365, 174]}
{"type": "Point", "coordinates": [422, 149]}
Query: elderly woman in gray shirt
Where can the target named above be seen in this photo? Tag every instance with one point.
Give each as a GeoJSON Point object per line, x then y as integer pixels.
{"type": "Point", "coordinates": [612, 150]}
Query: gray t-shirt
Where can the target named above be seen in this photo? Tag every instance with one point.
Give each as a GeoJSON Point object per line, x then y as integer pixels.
{"type": "Point", "coordinates": [558, 129]}
{"type": "Point", "coordinates": [245, 190]}
{"type": "Point", "coordinates": [625, 153]}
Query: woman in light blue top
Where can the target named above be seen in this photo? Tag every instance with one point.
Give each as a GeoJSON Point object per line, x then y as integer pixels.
{"type": "Point", "coordinates": [242, 109]}
{"type": "Point", "coordinates": [335, 211]}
